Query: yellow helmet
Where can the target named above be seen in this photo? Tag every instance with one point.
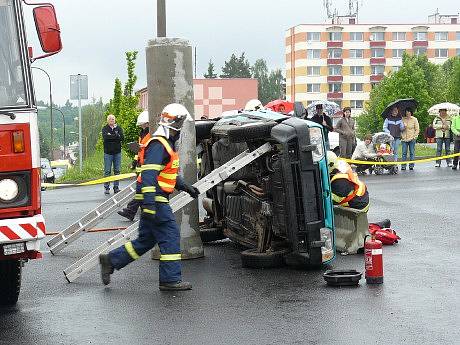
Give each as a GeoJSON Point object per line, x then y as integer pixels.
{"type": "Point", "coordinates": [332, 161]}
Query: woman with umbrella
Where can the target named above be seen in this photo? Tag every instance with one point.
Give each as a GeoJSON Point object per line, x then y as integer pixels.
{"type": "Point", "coordinates": [394, 126]}
{"type": "Point", "coordinates": [346, 129]}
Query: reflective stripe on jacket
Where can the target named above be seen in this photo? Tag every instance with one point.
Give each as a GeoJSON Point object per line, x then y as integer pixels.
{"type": "Point", "coordinates": [141, 154]}
{"type": "Point", "coordinates": [168, 174]}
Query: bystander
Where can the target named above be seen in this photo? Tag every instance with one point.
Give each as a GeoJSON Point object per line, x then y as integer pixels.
{"type": "Point", "coordinates": [112, 135]}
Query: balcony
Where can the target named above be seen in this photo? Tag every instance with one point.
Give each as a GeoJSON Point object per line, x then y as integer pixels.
{"type": "Point", "coordinates": [374, 44]}
{"type": "Point", "coordinates": [334, 95]}
{"type": "Point", "coordinates": [334, 78]}
{"type": "Point", "coordinates": [376, 77]}
{"type": "Point", "coordinates": [378, 61]}
{"type": "Point", "coordinates": [420, 44]}
{"type": "Point", "coordinates": [334, 44]}
{"type": "Point", "coordinates": [334, 61]}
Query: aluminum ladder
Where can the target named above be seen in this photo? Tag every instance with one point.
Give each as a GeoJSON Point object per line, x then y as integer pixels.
{"type": "Point", "coordinates": [90, 260]}
{"type": "Point", "coordinates": [88, 221]}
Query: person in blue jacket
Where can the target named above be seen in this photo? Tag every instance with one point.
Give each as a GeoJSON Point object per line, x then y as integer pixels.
{"type": "Point", "coordinates": [159, 178]}
{"type": "Point", "coordinates": [394, 126]}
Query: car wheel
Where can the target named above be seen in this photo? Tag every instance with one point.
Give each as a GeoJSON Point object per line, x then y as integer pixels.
{"type": "Point", "coordinates": [250, 258]}
{"type": "Point", "coordinates": [10, 283]}
{"type": "Point", "coordinates": [250, 132]}
{"type": "Point", "coordinates": [211, 234]}
{"type": "Point", "coordinates": [203, 129]}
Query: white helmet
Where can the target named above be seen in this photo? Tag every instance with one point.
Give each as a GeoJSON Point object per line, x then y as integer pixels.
{"type": "Point", "coordinates": [253, 104]}
{"type": "Point", "coordinates": [143, 118]}
{"type": "Point", "coordinates": [332, 161]}
{"type": "Point", "coordinates": [173, 116]}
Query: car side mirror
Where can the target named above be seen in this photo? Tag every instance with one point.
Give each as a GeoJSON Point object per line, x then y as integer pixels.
{"type": "Point", "coordinates": [48, 29]}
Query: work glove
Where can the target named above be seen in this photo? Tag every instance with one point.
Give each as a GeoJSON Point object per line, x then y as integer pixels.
{"type": "Point", "coordinates": [148, 212]}
{"type": "Point", "coordinates": [193, 191]}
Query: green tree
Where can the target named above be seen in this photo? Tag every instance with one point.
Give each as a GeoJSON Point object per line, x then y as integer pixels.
{"type": "Point", "coordinates": [271, 85]}
{"type": "Point", "coordinates": [93, 119]}
{"type": "Point", "coordinates": [210, 74]}
{"type": "Point", "coordinates": [409, 82]}
{"type": "Point", "coordinates": [236, 67]}
{"type": "Point", "coordinates": [452, 69]}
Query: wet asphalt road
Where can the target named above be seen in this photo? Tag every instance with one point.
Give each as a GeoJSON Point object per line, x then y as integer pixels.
{"type": "Point", "coordinates": [417, 304]}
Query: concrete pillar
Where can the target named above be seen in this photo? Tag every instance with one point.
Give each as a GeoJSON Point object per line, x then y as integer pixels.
{"type": "Point", "coordinates": [170, 80]}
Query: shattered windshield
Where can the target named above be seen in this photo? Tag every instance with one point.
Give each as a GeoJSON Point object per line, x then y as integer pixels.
{"type": "Point", "coordinates": [12, 84]}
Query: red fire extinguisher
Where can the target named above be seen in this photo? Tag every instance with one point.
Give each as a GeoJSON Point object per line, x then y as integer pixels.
{"type": "Point", "coordinates": [373, 261]}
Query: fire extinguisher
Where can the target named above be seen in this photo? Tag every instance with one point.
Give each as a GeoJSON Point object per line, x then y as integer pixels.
{"type": "Point", "coordinates": [373, 260]}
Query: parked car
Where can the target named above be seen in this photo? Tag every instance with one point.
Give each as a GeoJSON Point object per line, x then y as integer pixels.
{"type": "Point", "coordinates": [60, 167]}
{"type": "Point", "coordinates": [46, 172]}
{"type": "Point", "coordinates": [280, 205]}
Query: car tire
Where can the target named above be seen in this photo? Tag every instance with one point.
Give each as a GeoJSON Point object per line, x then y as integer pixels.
{"type": "Point", "coordinates": [10, 283]}
{"type": "Point", "coordinates": [211, 234]}
{"type": "Point", "coordinates": [250, 258]}
{"type": "Point", "coordinates": [250, 132]}
{"type": "Point", "coordinates": [203, 129]}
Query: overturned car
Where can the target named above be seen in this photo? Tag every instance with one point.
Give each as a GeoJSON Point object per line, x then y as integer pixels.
{"type": "Point", "coordinates": [279, 206]}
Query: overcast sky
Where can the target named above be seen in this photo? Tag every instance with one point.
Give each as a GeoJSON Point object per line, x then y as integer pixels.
{"type": "Point", "coordinates": [96, 33]}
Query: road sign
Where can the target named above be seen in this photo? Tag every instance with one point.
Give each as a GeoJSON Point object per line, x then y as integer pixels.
{"type": "Point", "coordinates": [75, 89]}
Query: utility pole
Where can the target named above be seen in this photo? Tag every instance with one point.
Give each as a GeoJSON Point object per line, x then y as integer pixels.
{"type": "Point", "coordinates": [80, 133]}
{"type": "Point", "coordinates": [170, 80]}
{"type": "Point", "coordinates": [161, 18]}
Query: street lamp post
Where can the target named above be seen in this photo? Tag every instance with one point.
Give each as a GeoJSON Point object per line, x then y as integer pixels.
{"type": "Point", "coordinates": [63, 127]}
{"type": "Point", "coordinates": [51, 108]}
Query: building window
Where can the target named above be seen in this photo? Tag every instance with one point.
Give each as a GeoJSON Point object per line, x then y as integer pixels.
{"type": "Point", "coordinates": [335, 70]}
{"type": "Point", "coordinates": [378, 52]}
{"type": "Point", "coordinates": [377, 70]}
{"type": "Point", "coordinates": [399, 36]}
{"type": "Point", "coordinates": [419, 36]}
{"type": "Point", "coordinates": [335, 87]}
{"type": "Point", "coordinates": [440, 53]}
{"type": "Point", "coordinates": [356, 70]}
{"type": "Point", "coordinates": [377, 36]}
{"type": "Point", "coordinates": [314, 53]}
{"type": "Point", "coordinates": [335, 36]}
{"type": "Point", "coordinates": [313, 88]}
{"type": "Point", "coordinates": [458, 52]}
{"type": "Point", "coordinates": [356, 53]}
{"type": "Point", "coordinates": [313, 70]}
{"type": "Point", "coordinates": [356, 87]}
{"type": "Point", "coordinates": [420, 51]}
{"type": "Point", "coordinates": [356, 36]}
{"type": "Point", "coordinates": [313, 36]}
{"type": "Point", "coordinates": [374, 84]}
{"type": "Point", "coordinates": [396, 68]}
{"type": "Point", "coordinates": [334, 53]}
{"type": "Point", "coordinates": [356, 104]}
{"type": "Point", "coordinates": [457, 35]}
{"type": "Point", "coordinates": [336, 101]}
{"type": "Point", "coordinates": [440, 36]}
{"type": "Point", "coordinates": [398, 53]}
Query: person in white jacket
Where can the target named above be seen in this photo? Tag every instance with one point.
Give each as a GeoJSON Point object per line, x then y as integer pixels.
{"type": "Point", "coordinates": [364, 151]}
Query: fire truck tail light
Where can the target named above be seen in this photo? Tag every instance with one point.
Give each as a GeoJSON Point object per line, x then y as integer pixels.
{"type": "Point", "coordinates": [18, 142]}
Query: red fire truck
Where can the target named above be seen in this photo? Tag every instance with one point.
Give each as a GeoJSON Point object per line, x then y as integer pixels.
{"type": "Point", "coordinates": [21, 222]}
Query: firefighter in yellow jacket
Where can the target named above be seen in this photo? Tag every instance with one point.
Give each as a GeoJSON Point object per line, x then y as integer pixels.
{"type": "Point", "coordinates": [347, 189]}
{"type": "Point", "coordinates": [159, 178]}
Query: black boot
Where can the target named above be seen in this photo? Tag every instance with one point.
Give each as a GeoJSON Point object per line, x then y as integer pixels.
{"type": "Point", "coordinates": [177, 286]}
{"type": "Point", "coordinates": [125, 213]}
{"type": "Point", "coordinates": [106, 268]}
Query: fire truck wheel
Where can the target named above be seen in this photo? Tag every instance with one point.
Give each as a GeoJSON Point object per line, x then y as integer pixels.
{"type": "Point", "coordinates": [10, 283]}
{"type": "Point", "coordinates": [211, 234]}
{"type": "Point", "coordinates": [203, 129]}
{"type": "Point", "coordinates": [250, 132]}
{"type": "Point", "coordinates": [250, 258]}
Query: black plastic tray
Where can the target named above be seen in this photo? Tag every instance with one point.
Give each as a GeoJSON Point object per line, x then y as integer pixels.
{"type": "Point", "coordinates": [342, 277]}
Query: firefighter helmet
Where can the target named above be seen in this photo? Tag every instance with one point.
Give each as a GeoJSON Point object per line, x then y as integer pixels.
{"type": "Point", "coordinates": [143, 118]}
{"type": "Point", "coordinates": [173, 116]}
{"type": "Point", "coordinates": [253, 104]}
{"type": "Point", "coordinates": [332, 161]}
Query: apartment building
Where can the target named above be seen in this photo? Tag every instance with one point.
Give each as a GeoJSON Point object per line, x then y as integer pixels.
{"type": "Point", "coordinates": [341, 62]}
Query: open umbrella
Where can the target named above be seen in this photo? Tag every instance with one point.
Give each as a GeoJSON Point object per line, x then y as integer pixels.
{"type": "Point", "coordinates": [281, 106]}
{"type": "Point", "coordinates": [401, 104]}
{"type": "Point", "coordinates": [452, 109]}
{"type": "Point", "coordinates": [329, 108]}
